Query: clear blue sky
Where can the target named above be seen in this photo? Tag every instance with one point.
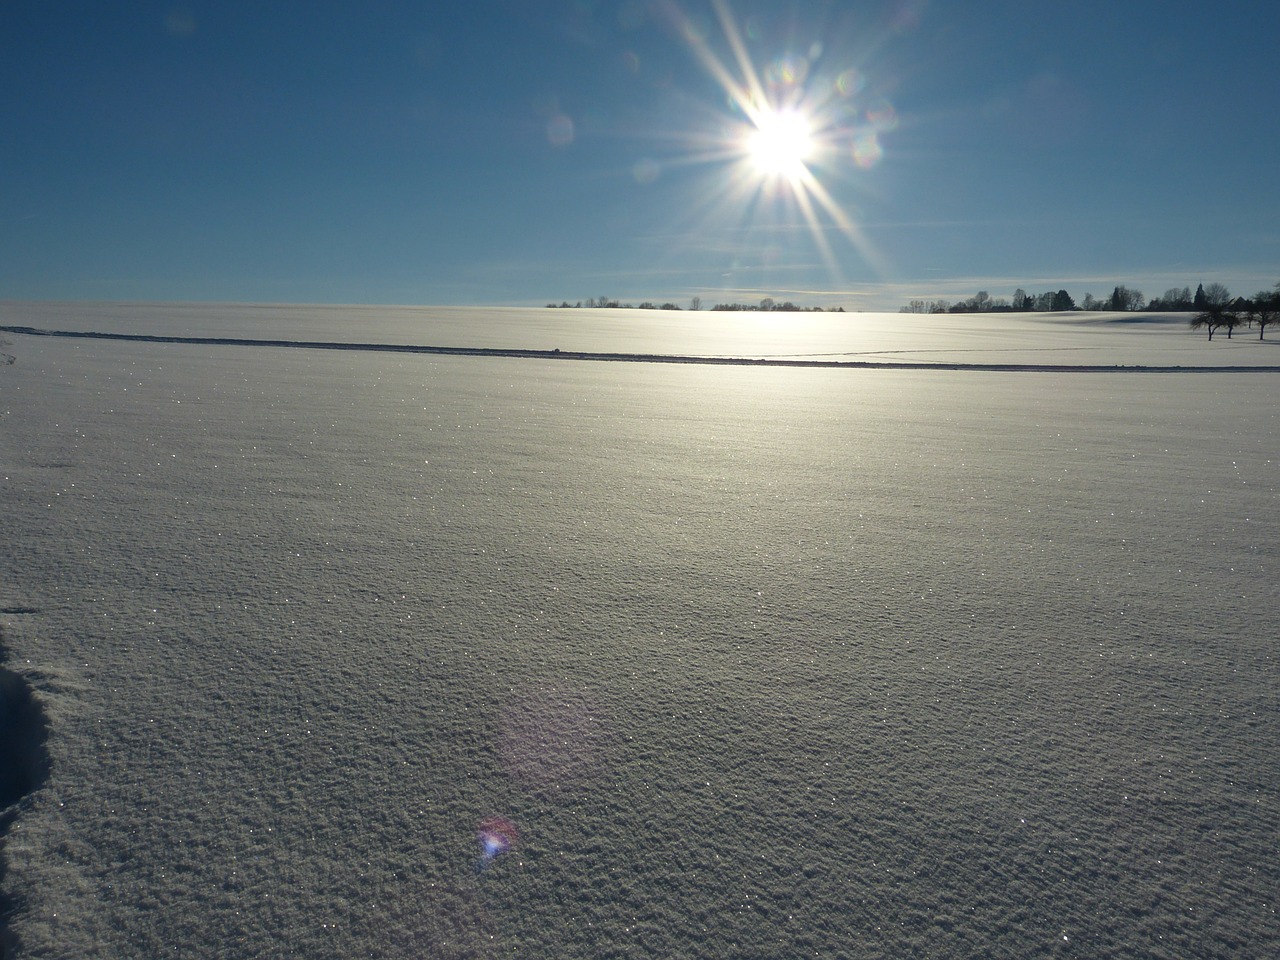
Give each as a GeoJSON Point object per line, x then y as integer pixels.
{"type": "Point", "coordinates": [521, 152]}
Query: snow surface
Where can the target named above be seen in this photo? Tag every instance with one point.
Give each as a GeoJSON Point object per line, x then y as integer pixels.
{"type": "Point", "coordinates": [760, 662]}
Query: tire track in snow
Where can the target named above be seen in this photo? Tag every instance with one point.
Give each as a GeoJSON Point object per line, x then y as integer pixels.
{"type": "Point", "coordinates": [521, 353]}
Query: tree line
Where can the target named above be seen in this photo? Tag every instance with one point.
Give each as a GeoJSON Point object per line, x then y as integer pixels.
{"type": "Point", "coordinates": [767, 304]}
{"type": "Point", "coordinates": [1213, 305]}
{"type": "Point", "coordinates": [1219, 311]}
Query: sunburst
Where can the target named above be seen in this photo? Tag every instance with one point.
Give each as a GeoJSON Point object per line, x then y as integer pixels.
{"type": "Point", "coordinates": [787, 133]}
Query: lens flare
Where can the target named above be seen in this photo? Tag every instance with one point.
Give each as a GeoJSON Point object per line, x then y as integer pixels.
{"type": "Point", "coordinates": [560, 131]}
{"type": "Point", "coordinates": [496, 836]}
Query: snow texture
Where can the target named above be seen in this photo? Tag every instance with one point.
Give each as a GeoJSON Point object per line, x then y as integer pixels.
{"type": "Point", "coordinates": [759, 661]}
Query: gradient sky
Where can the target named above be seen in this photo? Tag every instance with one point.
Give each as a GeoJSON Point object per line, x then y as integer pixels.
{"type": "Point", "coordinates": [521, 152]}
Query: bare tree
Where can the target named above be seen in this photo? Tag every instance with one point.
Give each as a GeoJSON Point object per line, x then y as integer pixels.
{"type": "Point", "coordinates": [1214, 318]}
{"type": "Point", "coordinates": [1216, 295]}
{"type": "Point", "coordinates": [1122, 298]}
{"type": "Point", "coordinates": [1266, 309]}
{"type": "Point", "coordinates": [1175, 298]}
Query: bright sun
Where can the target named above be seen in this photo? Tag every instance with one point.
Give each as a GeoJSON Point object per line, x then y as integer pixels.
{"type": "Point", "coordinates": [780, 143]}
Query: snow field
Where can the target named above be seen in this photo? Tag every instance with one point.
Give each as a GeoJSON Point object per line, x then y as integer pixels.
{"type": "Point", "coordinates": [761, 662]}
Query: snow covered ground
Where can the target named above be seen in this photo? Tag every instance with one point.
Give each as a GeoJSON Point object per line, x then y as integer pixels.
{"type": "Point", "coordinates": [759, 662]}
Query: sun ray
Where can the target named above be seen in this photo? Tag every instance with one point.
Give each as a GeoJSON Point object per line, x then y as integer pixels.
{"type": "Point", "coordinates": [752, 99]}
{"type": "Point", "coordinates": [790, 131]}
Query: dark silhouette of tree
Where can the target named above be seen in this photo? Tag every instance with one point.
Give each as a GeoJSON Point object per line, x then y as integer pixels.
{"type": "Point", "coordinates": [1174, 298]}
{"type": "Point", "coordinates": [980, 302]}
{"type": "Point", "coordinates": [768, 304]}
{"type": "Point", "coordinates": [1122, 298]}
{"type": "Point", "coordinates": [1216, 295]}
{"type": "Point", "coordinates": [1214, 318]}
{"type": "Point", "coordinates": [1266, 309]}
{"type": "Point", "coordinates": [695, 303]}
{"type": "Point", "coordinates": [1215, 308]}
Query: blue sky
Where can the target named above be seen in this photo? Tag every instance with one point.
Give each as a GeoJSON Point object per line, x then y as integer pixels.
{"type": "Point", "coordinates": [522, 152]}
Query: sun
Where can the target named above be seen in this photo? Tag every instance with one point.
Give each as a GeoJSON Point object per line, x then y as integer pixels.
{"type": "Point", "coordinates": [797, 126]}
{"type": "Point", "coordinates": [780, 143]}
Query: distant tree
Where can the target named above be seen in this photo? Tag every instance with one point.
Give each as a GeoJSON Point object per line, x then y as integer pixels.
{"type": "Point", "coordinates": [766, 303]}
{"type": "Point", "coordinates": [1214, 318]}
{"type": "Point", "coordinates": [1089, 303]}
{"type": "Point", "coordinates": [1122, 298]}
{"type": "Point", "coordinates": [1266, 309]}
{"type": "Point", "coordinates": [1248, 310]}
{"type": "Point", "coordinates": [1020, 300]}
{"type": "Point", "coordinates": [1199, 302]}
{"type": "Point", "coordinates": [978, 303]}
{"type": "Point", "coordinates": [939, 306]}
{"type": "Point", "coordinates": [1062, 301]}
{"type": "Point", "coordinates": [695, 303]}
{"type": "Point", "coordinates": [1205, 319]}
{"type": "Point", "coordinates": [1216, 295]}
{"type": "Point", "coordinates": [1174, 298]}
